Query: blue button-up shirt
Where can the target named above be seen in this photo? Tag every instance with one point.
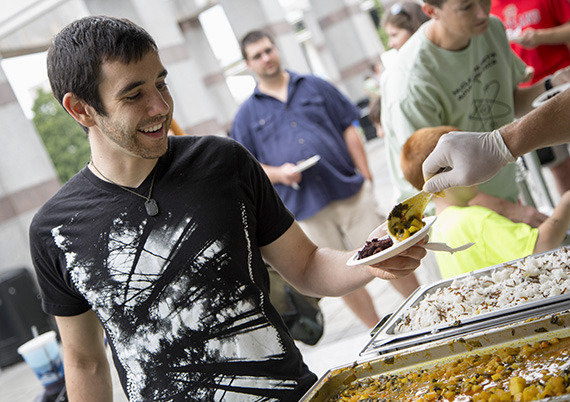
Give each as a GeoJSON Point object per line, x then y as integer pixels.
{"type": "Point", "coordinates": [312, 121]}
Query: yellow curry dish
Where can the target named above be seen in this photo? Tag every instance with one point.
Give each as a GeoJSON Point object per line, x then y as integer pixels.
{"type": "Point", "coordinates": [525, 373]}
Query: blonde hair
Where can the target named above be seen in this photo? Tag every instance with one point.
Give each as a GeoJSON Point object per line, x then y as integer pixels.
{"type": "Point", "coordinates": [416, 150]}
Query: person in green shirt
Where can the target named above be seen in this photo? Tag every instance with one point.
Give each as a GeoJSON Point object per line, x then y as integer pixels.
{"type": "Point", "coordinates": [497, 239]}
{"type": "Point", "coordinates": [458, 69]}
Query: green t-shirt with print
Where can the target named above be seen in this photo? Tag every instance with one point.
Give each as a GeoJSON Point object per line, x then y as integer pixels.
{"type": "Point", "coordinates": [497, 239]}
{"type": "Point", "coordinates": [471, 89]}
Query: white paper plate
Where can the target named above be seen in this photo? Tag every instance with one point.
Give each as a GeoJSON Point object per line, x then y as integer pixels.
{"type": "Point", "coordinates": [307, 163]}
{"type": "Point", "coordinates": [544, 97]}
{"type": "Point", "coordinates": [396, 248]}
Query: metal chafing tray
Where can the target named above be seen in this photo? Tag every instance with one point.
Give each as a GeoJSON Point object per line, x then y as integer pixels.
{"type": "Point", "coordinates": [441, 351]}
{"type": "Point", "coordinates": [385, 339]}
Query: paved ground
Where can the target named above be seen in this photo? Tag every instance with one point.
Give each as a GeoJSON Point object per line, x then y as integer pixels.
{"type": "Point", "coordinates": [344, 335]}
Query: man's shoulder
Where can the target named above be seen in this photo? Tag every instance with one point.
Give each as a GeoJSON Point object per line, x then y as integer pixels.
{"type": "Point", "coordinates": [496, 33]}
{"type": "Point", "coordinates": [414, 64]}
{"type": "Point", "coordinates": [182, 146]}
{"type": "Point", "coordinates": [245, 110]}
{"type": "Point", "coordinates": [495, 24]}
{"type": "Point", "coordinates": [67, 195]}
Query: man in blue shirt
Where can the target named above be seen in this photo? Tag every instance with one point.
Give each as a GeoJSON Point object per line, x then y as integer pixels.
{"type": "Point", "coordinates": [291, 117]}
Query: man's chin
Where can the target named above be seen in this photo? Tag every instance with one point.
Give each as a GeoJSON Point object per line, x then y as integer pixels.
{"type": "Point", "coordinates": [272, 73]}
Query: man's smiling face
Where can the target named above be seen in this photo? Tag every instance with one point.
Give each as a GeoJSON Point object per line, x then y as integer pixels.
{"type": "Point", "coordinates": [138, 106]}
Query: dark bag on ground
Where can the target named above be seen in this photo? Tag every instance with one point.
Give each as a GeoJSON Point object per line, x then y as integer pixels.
{"type": "Point", "coordinates": [301, 313]}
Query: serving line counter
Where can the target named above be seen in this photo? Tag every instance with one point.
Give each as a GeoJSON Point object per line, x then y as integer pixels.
{"type": "Point", "coordinates": [533, 307]}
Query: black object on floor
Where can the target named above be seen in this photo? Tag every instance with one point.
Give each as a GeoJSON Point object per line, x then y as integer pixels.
{"type": "Point", "coordinates": [304, 320]}
{"type": "Point", "coordinates": [20, 309]}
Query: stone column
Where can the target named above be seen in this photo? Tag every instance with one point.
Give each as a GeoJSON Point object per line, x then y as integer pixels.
{"type": "Point", "coordinates": [319, 42]}
{"type": "Point", "coordinates": [269, 16]}
{"type": "Point", "coordinates": [211, 73]}
{"type": "Point", "coordinates": [27, 179]}
{"type": "Point", "coordinates": [351, 38]}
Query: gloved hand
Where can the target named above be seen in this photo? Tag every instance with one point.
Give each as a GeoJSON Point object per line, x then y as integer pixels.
{"type": "Point", "coordinates": [465, 159]}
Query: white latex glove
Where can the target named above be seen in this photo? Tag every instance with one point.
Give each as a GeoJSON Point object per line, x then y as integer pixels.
{"type": "Point", "coordinates": [467, 158]}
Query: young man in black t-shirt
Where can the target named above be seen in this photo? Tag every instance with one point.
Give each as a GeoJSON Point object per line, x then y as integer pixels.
{"type": "Point", "coordinates": [160, 241]}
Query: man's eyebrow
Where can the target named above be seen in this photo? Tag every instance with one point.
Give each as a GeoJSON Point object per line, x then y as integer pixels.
{"type": "Point", "coordinates": [129, 88]}
{"type": "Point", "coordinates": [135, 84]}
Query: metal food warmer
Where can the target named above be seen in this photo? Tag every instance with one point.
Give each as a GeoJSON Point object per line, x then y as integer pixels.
{"type": "Point", "coordinates": [389, 352]}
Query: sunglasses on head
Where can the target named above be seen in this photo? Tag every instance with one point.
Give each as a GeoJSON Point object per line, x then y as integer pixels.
{"type": "Point", "coordinates": [398, 9]}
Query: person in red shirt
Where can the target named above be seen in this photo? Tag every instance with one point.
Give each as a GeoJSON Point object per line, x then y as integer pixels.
{"type": "Point", "coordinates": [539, 31]}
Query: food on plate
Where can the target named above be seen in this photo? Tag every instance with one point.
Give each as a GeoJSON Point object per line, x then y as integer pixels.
{"type": "Point", "coordinates": [512, 373]}
{"type": "Point", "coordinates": [403, 226]}
{"type": "Point", "coordinates": [405, 219]}
{"type": "Point", "coordinates": [530, 279]}
{"type": "Point", "coordinates": [375, 246]}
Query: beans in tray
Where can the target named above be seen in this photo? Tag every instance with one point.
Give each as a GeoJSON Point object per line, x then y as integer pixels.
{"type": "Point", "coordinates": [523, 373]}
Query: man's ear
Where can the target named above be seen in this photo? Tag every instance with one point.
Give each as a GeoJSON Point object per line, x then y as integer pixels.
{"type": "Point", "coordinates": [429, 10]}
{"type": "Point", "coordinates": [79, 110]}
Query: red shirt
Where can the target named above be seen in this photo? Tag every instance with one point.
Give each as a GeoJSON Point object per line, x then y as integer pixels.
{"type": "Point", "coordinates": [538, 14]}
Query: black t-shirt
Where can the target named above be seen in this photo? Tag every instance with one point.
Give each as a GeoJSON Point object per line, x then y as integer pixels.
{"type": "Point", "coordinates": [183, 296]}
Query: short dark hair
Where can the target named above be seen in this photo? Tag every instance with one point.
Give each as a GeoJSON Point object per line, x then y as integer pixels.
{"type": "Point", "coordinates": [252, 37]}
{"type": "Point", "coordinates": [406, 15]}
{"type": "Point", "coordinates": [77, 52]}
{"type": "Point", "coordinates": [435, 3]}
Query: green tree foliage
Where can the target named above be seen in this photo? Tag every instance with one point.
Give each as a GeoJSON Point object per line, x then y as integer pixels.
{"type": "Point", "coordinates": [64, 139]}
{"type": "Point", "coordinates": [381, 32]}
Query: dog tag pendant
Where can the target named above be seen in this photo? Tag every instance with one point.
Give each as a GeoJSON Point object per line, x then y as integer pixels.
{"type": "Point", "coordinates": [151, 207]}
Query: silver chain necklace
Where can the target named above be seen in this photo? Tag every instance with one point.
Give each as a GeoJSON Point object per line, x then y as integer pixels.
{"type": "Point", "coordinates": [150, 205]}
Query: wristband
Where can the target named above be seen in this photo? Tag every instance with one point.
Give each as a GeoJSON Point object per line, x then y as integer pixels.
{"type": "Point", "coordinates": [548, 84]}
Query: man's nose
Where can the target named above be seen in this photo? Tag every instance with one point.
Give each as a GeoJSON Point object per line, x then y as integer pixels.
{"type": "Point", "coordinates": [158, 104]}
{"type": "Point", "coordinates": [483, 9]}
{"type": "Point", "coordinates": [265, 56]}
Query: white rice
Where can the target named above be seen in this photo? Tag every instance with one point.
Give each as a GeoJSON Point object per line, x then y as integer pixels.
{"type": "Point", "coordinates": [530, 279]}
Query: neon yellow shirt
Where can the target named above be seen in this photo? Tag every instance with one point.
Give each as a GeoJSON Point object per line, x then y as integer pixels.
{"type": "Point", "coordinates": [497, 239]}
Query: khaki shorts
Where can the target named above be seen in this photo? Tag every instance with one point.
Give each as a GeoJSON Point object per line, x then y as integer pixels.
{"type": "Point", "coordinates": [345, 224]}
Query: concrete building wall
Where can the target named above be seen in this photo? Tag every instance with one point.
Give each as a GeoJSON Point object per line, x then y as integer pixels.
{"type": "Point", "coordinates": [269, 16]}
{"type": "Point", "coordinates": [211, 73]}
{"type": "Point", "coordinates": [27, 179]}
{"type": "Point", "coordinates": [351, 38]}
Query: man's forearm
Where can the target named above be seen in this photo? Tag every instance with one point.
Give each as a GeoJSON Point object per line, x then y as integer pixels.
{"type": "Point", "coordinates": [328, 275]}
{"type": "Point", "coordinates": [312, 270]}
{"type": "Point", "coordinates": [547, 125]}
{"type": "Point", "coordinates": [553, 230]}
{"type": "Point", "coordinates": [88, 381]}
{"type": "Point", "coordinates": [357, 151]}
{"type": "Point", "coordinates": [559, 35]}
{"type": "Point", "coordinates": [272, 172]}
{"type": "Point", "coordinates": [514, 212]}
